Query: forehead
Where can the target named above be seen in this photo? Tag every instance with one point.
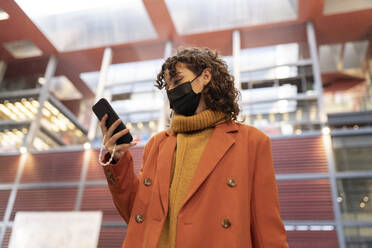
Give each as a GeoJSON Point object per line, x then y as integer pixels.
{"type": "Point", "coordinates": [180, 67]}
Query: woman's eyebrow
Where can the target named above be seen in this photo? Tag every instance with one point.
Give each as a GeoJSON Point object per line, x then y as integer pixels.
{"type": "Point", "coordinates": [178, 74]}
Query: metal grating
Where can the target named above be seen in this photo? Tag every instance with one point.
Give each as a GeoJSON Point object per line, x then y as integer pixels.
{"type": "Point", "coordinates": [4, 196]}
{"type": "Point", "coordinates": [111, 237]}
{"type": "Point", "coordinates": [8, 168]}
{"type": "Point", "coordinates": [95, 172]}
{"type": "Point", "coordinates": [53, 167]}
{"type": "Point", "coordinates": [311, 239]}
{"type": "Point", "coordinates": [299, 155]}
{"type": "Point", "coordinates": [6, 238]}
{"type": "Point", "coordinates": [305, 200]}
{"type": "Point", "coordinates": [61, 199]}
{"type": "Point", "coordinates": [99, 199]}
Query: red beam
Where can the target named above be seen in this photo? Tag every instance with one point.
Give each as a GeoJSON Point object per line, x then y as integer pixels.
{"type": "Point", "coordinates": [20, 27]}
{"type": "Point", "coordinates": [161, 19]}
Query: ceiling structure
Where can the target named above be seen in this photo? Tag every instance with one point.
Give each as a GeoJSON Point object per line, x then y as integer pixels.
{"type": "Point", "coordinates": [331, 26]}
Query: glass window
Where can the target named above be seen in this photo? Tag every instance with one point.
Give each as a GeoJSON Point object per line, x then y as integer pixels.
{"type": "Point", "coordinates": [358, 237]}
{"type": "Point", "coordinates": [74, 25]}
{"type": "Point", "coordinates": [196, 16]}
{"type": "Point", "coordinates": [353, 152]}
{"type": "Point", "coordinates": [340, 6]}
{"type": "Point", "coordinates": [355, 199]}
{"type": "Point", "coordinates": [261, 57]}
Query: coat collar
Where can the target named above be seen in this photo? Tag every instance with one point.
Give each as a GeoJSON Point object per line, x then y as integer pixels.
{"type": "Point", "coordinates": [227, 126]}
{"type": "Point", "coordinates": [219, 143]}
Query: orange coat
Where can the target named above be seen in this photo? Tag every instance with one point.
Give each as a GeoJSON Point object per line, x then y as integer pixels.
{"type": "Point", "coordinates": [232, 201]}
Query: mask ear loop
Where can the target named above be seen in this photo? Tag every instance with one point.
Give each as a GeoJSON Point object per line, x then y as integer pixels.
{"type": "Point", "coordinates": [197, 76]}
{"type": "Point", "coordinates": [100, 154]}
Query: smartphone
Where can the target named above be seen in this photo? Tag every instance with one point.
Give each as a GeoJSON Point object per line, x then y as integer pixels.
{"type": "Point", "coordinates": [103, 107]}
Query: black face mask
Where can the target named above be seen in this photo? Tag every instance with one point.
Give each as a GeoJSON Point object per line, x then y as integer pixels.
{"type": "Point", "coordinates": [183, 99]}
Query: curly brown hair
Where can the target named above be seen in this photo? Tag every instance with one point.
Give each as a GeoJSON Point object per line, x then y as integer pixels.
{"type": "Point", "coordinates": [220, 93]}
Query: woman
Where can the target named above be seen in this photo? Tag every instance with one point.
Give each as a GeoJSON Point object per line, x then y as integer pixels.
{"type": "Point", "coordinates": [208, 181]}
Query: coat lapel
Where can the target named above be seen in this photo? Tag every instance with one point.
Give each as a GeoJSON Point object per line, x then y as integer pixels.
{"type": "Point", "coordinates": [164, 163]}
{"type": "Point", "coordinates": [219, 143]}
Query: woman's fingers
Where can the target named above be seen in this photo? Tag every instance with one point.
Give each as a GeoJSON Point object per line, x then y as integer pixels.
{"type": "Point", "coordinates": [103, 124]}
{"type": "Point", "coordinates": [112, 128]}
{"type": "Point", "coordinates": [127, 146]}
{"type": "Point", "coordinates": [116, 136]}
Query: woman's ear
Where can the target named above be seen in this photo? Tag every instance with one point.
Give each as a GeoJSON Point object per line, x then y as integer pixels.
{"type": "Point", "coordinates": [206, 76]}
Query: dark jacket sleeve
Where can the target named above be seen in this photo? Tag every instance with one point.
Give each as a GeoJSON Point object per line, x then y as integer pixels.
{"type": "Point", "coordinates": [267, 228]}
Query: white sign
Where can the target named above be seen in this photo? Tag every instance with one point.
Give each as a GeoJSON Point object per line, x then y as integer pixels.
{"type": "Point", "coordinates": [56, 229]}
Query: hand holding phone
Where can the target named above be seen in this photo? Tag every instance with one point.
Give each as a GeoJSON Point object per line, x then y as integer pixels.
{"type": "Point", "coordinates": [113, 129]}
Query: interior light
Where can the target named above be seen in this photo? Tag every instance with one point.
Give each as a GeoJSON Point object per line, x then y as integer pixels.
{"type": "Point", "coordinates": [41, 80]}
{"type": "Point", "coordinates": [315, 228]}
{"type": "Point", "coordinates": [51, 108]}
{"type": "Point", "coordinates": [59, 123]}
{"type": "Point", "coordinates": [24, 110]}
{"type": "Point", "coordinates": [328, 228]}
{"type": "Point", "coordinates": [285, 117]}
{"type": "Point", "coordinates": [15, 110]}
{"type": "Point", "coordinates": [302, 228]}
{"type": "Point", "coordinates": [3, 15]}
{"type": "Point", "coordinates": [70, 125]}
{"type": "Point", "coordinates": [28, 105]}
{"type": "Point", "coordinates": [312, 113]}
{"type": "Point", "coordinates": [290, 227]}
{"type": "Point", "coordinates": [326, 130]}
{"type": "Point", "coordinates": [78, 133]}
{"type": "Point", "coordinates": [152, 124]}
{"type": "Point", "coordinates": [7, 112]}
{"type": "Point", "coordinates": [87, 146]}
{"type": "Point", "coordinates": [45, 112]}
{"type": "Point", "coordinates": [272, 117]}
{"type": "Point", "coordinates": [40, 144]}
{"type": "Point", "coordinates": [23, 149]}
{"type": "Point", "coordinates": [35, 103]}
{"type": "Point", "coordinates": [299, 114]}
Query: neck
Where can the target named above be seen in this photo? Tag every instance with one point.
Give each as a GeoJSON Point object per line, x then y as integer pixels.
{"type": "Point", "coordinates": [201, 107]}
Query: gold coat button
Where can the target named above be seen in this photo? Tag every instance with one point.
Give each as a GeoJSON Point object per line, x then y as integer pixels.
{"type": "Point", "coordinates": [231, 182]}
{"type": "Point", "coordinates": [147, 181]}
{"type": "Point", "coordinates": [139, 218]}
{"type": "Point", "coordinates": [226, 223]}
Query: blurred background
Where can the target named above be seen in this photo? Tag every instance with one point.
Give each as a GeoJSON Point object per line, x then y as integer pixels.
{"type": "Point", "coordinates": [303, 68]}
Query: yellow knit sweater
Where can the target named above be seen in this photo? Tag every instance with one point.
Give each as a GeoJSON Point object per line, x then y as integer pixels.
{"type": "Point", "coordinates": [193, 133]}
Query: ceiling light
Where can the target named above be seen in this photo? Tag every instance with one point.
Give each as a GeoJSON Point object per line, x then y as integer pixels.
{"type": "Point", "coordinates": [3, 15]}
{"type": "Point", "coordinates": [41, 80]}
{"type": "Point", "coordinates": [326, 130]}
{"type": "Point", "coordinates": [23, 149]}
{"type": "Point", "coordinates": [87, 146]}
